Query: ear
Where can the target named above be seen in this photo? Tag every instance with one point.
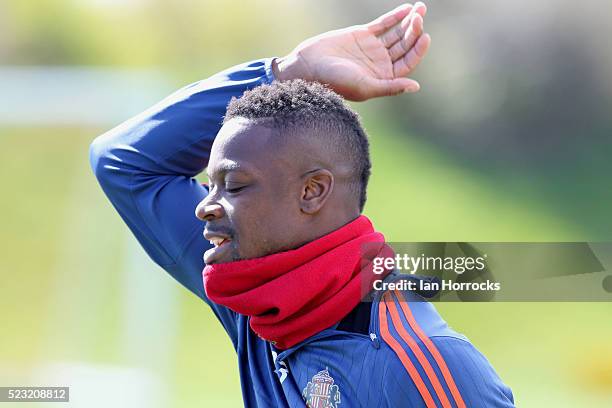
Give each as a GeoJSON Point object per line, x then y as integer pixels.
{"type": "Point", "coordinates": [318, 185]}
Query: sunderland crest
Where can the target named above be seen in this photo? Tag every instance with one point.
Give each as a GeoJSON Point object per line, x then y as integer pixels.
{"type": "Point", "coordinates": [321, 392]}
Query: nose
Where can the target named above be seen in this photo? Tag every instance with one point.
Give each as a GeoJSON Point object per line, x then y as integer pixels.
{"type": "Point", "coordinates": [208, 211]}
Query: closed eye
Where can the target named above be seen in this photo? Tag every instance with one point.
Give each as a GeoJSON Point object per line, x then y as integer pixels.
{"type": "Point", "coordinates": [235, 189]}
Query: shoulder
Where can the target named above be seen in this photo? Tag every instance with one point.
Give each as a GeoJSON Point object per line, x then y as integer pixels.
{"type": "Point", "coordinates": [474, 376]}
{"type": "Point", "coordinates": [425, 356]}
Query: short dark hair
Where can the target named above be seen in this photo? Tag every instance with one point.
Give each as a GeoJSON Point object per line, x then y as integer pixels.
{"type": "Point", "coordinates": [298, 104]}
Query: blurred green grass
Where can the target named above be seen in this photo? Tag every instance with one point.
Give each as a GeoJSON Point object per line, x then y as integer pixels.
{"type": "Point", "coordinates": [64, 256]}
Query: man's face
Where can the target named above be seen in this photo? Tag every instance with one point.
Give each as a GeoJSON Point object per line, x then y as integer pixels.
{"type": "Point", "coordinates": [252, 209]}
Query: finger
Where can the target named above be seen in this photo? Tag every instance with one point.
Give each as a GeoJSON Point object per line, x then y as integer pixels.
{"type": "Point", "coordinates": [409, 62]}
{"type": "Point", "coordinates": [403, 46]}
{"type": "Point", "coordinates": [388, 20]}
{"type": "Point", "coordinates": [388, 87]}
{"type": "Point", "coordinates": [397, 32]}
{"type": "Point", "coordinates": [420, 8]}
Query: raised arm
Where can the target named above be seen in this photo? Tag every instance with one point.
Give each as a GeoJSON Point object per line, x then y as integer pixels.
{"type": "Point", "coordinates": [147, 164]}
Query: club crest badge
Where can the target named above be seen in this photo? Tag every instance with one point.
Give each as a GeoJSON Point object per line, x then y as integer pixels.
{"type": "Point", "coordinates": [321, 392]}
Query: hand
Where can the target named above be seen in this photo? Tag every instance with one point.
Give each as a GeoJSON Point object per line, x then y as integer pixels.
{"type": "Point", "coordinates": [363, 61]}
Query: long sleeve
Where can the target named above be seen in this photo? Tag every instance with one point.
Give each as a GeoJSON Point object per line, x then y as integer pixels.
{"type": "Point", "coordinates": [146, 166]}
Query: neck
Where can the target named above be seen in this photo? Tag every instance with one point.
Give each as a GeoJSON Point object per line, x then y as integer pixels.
{"type": "Point", "coordinates": [319, 226]}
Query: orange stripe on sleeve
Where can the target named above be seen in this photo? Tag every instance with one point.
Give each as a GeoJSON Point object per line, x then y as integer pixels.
{"type": "Point", "coordinates": [432, 349]}
{"type": "Point", "coordinates": [399, 326]}
{"type": "Point", "coordinates": [398, 349]}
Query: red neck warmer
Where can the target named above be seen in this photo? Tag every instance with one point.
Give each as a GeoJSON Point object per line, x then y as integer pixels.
{"type": "Point", "coordinates": [293, 295]}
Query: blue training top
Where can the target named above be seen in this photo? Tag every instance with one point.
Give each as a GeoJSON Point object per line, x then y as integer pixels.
{"type": "Point", "coordinates": [410, 357]}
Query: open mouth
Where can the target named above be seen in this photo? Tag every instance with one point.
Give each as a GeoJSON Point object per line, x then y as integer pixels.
{"type": "Point", "coordinates": [220, 251]}
{"type": "Point", "coordinates": [218, 241]}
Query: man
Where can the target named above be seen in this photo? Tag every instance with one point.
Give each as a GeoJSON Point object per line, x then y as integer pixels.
{"type": "Point", "coordinates": [288, 165]}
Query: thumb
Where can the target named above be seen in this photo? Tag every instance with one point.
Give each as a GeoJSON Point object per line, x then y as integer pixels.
{"type": "Point", "coordinates": [388, 87]}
